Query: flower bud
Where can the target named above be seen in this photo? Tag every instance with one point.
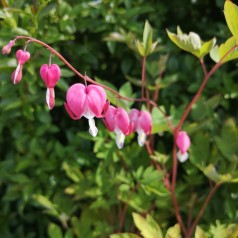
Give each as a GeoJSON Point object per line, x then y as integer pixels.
{"type": "Point", "coordinates": [7, 48]}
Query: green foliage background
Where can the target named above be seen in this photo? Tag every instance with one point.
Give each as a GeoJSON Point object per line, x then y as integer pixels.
{"type": "Point", "coordinates": [55, 179]}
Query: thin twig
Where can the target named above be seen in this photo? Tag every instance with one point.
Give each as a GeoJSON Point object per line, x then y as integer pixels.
{"type": "Point", "coordinates": [212, 191]}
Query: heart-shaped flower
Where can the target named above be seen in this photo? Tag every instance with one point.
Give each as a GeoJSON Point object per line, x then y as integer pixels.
{"type": "Point", "coordinates": [22, 57]}
{"type": "Point", "coordinates": [89, 101]}
{"type": "Point", "coordinates": [183, 143]}
{"type": "Point", "coordinates": [50, 75]}
{"type": "Point", "coordinates": [117, 120]}
{"type": "Point", "coordinates": [141, 123]}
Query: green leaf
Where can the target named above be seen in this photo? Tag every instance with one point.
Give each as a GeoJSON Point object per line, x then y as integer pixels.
{"type": "Point", "coordinates": [174, 232]}
{"type": "Point", "coordinates": [148, 226]}
{"type": "Point", "coordinates": [148, 39]}
{"type": "Point", "coordinates": [192, 43]}
{"type": "Point", "coordinates": [159, 123]}
{"type": "Point", "coordinates": [218, 52]}
{"type": "Point", "coordinates": [199, 233]}
{"type": "Point", "coordinates": [228, 141]}
{"type": "Point", "coordinates": [147, 35]}
{"type": "Point", "coordinates": [124, 235]}
{"type": "Point", "coordinates": [54, 231]}
{"type": "Point", "coordinates": [45, 202]}
{"type": "Point", "coordinates": [141, 48]}
{"type": "Point", "coordinates": [211, 172]}
{"type": "Point", "coordinates": [231, 15]}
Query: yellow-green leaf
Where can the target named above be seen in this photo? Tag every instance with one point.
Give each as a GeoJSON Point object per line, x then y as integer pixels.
{"type": "Point", "coordinates": [231, 15]}
{"type": "Point", "coordinates": [174, 232]}
{"type": "Point", "coordinates": [147, 36]}
{"type": "Point", "coordinates": [192, 43]}
{"type": "Point", "coordinates": [141, 48]}
{"type": "Point", "coordinates": [124, 235]}
{"type": "Point", "coordinates": [218, 52]}
{"type": "Point", "coordinates": [199, 233]}
{"type": "Point", "coordinates": [147, 226]}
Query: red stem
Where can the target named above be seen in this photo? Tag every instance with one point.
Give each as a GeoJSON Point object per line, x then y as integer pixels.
{"type": "Point", "coordinates": [143, 77]}
{"type": "Point", "coordinates": [177, 129]}
{"type": "Point", "coordinates": [174, 177]}
{"type": "Point", "coordinates": [212, 191]}
{"type": "Point", "coordinates": [207, 76]}
{"type": "Point", "coordinates": [86, 78]}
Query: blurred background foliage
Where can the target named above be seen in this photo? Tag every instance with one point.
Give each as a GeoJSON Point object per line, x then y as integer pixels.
{"type": "Point", "coordinates": [55, 179]}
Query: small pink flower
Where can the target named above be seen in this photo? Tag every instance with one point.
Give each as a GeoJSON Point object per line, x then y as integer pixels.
{"type": "Point", "coordinates": [7, 48]}
{"type": "Point", "coordinates": [22, 58]}
{"type": "Point", "coordinates": [142, 124]}
{"type": "Point", "coordinates": [90, 102]}
{"type": "Point", "coordinates": [50, 75]}
{"type": "Point", "coordinates": [183, 143]}
{"type": "Point", "coordinates": [117, 120]}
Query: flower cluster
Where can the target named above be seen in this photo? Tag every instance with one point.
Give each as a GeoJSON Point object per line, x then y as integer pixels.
{"type": "Point", "coordinates": [49, 73]}
{"type": "Point", "coordinates": [91, 101]}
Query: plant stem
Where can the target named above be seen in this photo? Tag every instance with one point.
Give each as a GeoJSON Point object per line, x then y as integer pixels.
{"type": "Point", "coordinates": [143, 77]}
{"type": "Point", "coordinates": [206, 78]}
{"type": "Point", "coordinates": [212, 191]}
{"type": "Point", "coordinates": [173, 185]}
{"type": "Point", "coordinates": [86, 78]}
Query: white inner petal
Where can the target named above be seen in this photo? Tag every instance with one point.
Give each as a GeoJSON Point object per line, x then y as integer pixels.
{"type": "Point", "coordinates": [141, 138]}
{"type": "Point", "coordinates": [16, 73]}
{"type": "Point", "coordinates": [120, 138]}
{"type": "Point", "coordinates": [93, 130]}
{"type": "Point", "coordinates": [182, 157]}
{"type": "Point", "coordinates": [48, 96]}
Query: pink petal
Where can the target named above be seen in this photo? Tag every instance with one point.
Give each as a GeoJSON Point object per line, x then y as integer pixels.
{"type": "Point", "coordinates": [22, 56]}
{"type": "Point", "coordinates": [122, 120]}
{"type": "Point", "coordinates": [50, 74]}
{"type": "Point", "coordinates": [145, 122]}
{"type": "Point", "coordinates": [183, 141]}
{"type": "Point", "coordinates": [109, 120]}
{"type": "Point", "coordinates": [50, 98]}
{"type": "Point", "coordinates": [17, 74]}
{"type": "Point", "coordinates": [96, 99]}
{"type": "Point", "coordinates": [70, 112]}
{"type": "Point", "coordinates": [75, 98]}
{"type": "Point", "coordinates": [134, 115]}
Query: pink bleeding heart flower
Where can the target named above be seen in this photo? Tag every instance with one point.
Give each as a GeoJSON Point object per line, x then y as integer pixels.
{"type": "Point", "coordinates": [183, 143]}
{"type": "Point", "coordinates": [141, 123]}
{"type": "Point", "coordinates": [7, 48]}
{"type": "Point", "coordinates": [50, 75]}
{"type": "Point", "coordinates": [117, 120]}
{"type": "Point", "coordinates": [89, 101]}
{"type": "Point", "coordinates": [17, 74]}
{"type": "Point", "coordinates": [22, 58]}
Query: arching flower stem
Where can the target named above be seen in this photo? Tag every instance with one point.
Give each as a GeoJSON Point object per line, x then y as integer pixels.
{"type": "Point", "coordinates": [86, 78]}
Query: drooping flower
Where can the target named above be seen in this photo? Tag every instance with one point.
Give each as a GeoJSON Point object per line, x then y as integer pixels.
{"type": "Point", "coordinates": [89, 101]}
{"type": "Point", "coordinates": [142, 124]}
{"type": "Point", "coordinates": [22, 58]}
{"type": "Point", "coordinates": [183, 143]}
{"type": "Point", "coordinates": [7, 48]}
{"type": "Point", "coordinates": [50, 73]}
{"type": "Point", "coordinates": [117, 120]}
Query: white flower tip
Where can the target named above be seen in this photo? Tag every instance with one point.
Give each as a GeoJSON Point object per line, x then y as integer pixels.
{"type": "Point", "coordinates": [93, 130]}
{"type": "Point", "coordinates": [50, 97]}
{"type": "Point", "coordinates": [16, 74]}
{"type": "Point", "coordinates": [141, 138]}
{"type": "Point", "coordinates": [120, 138]}
{"type": "Point", "coordinates": [182, 157]}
